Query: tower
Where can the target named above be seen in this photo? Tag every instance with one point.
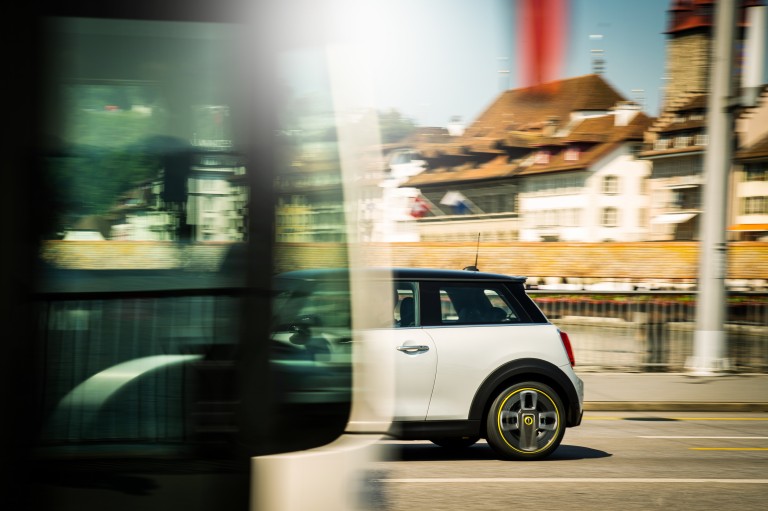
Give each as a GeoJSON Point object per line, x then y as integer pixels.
{"type": "Point", "coordinates": [689, 45]}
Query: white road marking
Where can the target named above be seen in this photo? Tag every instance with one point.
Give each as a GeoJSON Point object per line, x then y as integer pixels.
{"type": "Point", "coordinates": [579, 480]}
{"type": "Point", "coordinates": [711, 437]}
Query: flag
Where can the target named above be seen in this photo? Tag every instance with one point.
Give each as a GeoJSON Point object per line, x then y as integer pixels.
{"type": "Point", "coordinates": [457, 201]}
{"type": "Point", "coordinates": [420, 208]}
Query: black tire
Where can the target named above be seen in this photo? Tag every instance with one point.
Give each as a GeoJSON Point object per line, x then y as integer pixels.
{"type": "Point", "coordinates": [458, 442]}
{"type": "Point", "coordinates": [526, 422]}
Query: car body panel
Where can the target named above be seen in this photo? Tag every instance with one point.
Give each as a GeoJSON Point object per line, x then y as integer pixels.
{"type": "Point", "coordinates": [467, 355]}
{"type": "Point", "coordinates": [414, 370]}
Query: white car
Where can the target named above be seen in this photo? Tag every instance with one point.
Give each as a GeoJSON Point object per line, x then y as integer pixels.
{"type": "Point", "coordinates": [474, 356]}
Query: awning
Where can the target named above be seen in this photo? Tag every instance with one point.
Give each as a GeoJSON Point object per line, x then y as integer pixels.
{"type": "Point", "coordinates": [749, 227]}
{"type": "Point", "coordinates": [673, 218]}
{"type": "Point", "coordinates": [682, 186]}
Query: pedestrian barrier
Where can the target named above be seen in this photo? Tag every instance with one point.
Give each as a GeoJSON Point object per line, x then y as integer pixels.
{"type": "Point", "coordinates": [648, 331]}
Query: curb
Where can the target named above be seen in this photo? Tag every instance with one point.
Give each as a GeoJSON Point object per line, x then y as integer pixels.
{"type": "Point", "coordinates": [665, 406]}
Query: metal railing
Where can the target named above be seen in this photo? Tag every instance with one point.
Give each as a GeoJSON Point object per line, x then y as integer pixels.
{"type": "Point", "coordinates": [653, 330]}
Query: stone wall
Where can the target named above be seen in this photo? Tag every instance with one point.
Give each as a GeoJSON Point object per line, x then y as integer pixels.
{"type": "Point", "coordinates": [636, 261]}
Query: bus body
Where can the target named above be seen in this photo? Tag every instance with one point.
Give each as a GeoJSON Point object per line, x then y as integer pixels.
{"type": "Point", "coordinates": [167, 148]}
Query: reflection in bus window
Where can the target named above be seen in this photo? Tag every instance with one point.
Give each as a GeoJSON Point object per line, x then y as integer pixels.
{"type": "Point", "coordinates": [150, 289]}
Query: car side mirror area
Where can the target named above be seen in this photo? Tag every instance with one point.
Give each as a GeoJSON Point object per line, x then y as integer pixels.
{"type": "Point", "coordinates": [301, 334]}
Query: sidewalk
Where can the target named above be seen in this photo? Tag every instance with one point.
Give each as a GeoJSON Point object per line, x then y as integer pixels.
{"type": "Point", "coordinates": [609, 391]}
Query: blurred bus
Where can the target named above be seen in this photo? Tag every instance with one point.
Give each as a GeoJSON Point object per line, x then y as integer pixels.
{"type": "Point", "coordinates": [173, 146]}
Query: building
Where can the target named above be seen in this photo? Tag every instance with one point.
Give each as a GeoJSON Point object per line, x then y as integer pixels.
{"type": "Point", "coordinates": [140, 215]}
{"type": "Point", "coordinates": [550, 162]}
{"type": "Point", "coordinates": [749, 208]}
{"type": "Point", "coordinates": [676, 142]}
{"type": "Point", "coordinates": [689, 46]}
{"type": "Point", "coordinates": [212, 200]}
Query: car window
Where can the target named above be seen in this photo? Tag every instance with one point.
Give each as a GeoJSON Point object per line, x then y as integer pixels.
{"type": "Point", "coordinates": [405, 309]}
{"type": "Point", "coordinates": [324, 303]}
{"type": "Point", "coordinates": [477, 304]}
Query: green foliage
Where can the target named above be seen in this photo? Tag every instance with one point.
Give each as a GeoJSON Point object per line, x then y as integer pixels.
{"type": "Point", "coordinates": [105, 152]}
{"type": "Point", "coordinates": [394, 126]}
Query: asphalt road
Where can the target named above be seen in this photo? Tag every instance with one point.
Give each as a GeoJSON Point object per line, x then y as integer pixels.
{"type": "Point", "coordinates": [624, 461]}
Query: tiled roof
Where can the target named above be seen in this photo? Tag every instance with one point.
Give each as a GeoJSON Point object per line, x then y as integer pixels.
{"type": "Point", "coordinates": [595, 138]}
{"type": "Point", "coordinates": [497, 168]}
{"type": "Point", "coordinates": [558, 163]}
{"type": "Point", "coordinates": [696, 102]}
{"type": "Point", "coordinates": [421, 136]}
{"type": "Point", "coordinates": [683, 126]}
{"type": "Point", "coordinates": [668, 123]}
{"type": "Point", "coordinates": [519, 123]}
{"type": "Point", "coordinates": [529, 109]}
{"type": "Point", "coordinates": [603, 129]}
{"type": "Point", "coordinates": [758, 150]}
{"type": "Point", "coordinates": [699, 14]}
{"type": "Point", "coordinates": [693, 149]}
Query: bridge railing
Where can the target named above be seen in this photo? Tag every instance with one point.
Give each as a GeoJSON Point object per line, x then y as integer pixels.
{"type": "Point", "coordinates": [653, 330]}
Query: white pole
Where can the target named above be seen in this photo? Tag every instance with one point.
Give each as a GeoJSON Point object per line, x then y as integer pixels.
{"type": "Point", "coordinates": [754, 55]}
{"type": "Point", "coordinates": [709, 342]}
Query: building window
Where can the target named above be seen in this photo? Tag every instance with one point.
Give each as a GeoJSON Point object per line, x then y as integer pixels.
{"type": "Point", "coordinates": [611, 185]}
{"type": "Point", "coordinates": [572, 153]}
{"type": "Point", "coordinates": [686, 198]}
{"type": "Point", "coordinates": [754, 205]}
{"type": "Point", "coordinates": [700, 139]}
{"type": "Point", "coordinates": [541, 157]}
{"type": "Point", "coordinates": [609, 217]}
{"type": "Point", "coordinates": [756, 172]}
{"type": "Point", "coordinates": [683, 141]}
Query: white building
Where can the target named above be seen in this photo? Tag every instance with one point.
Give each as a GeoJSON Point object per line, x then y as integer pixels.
{"type": "Point", "coordinates": [553, 162]}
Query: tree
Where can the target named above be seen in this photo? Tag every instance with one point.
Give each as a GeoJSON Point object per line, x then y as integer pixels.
{"type": "Point", "coordinates": [394, 126]}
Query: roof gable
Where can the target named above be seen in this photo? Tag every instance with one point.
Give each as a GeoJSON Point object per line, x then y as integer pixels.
{"type": "Point", "coordinates": [531, 108]}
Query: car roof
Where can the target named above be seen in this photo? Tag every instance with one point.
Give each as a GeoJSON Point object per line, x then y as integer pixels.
{"type": "Point", "coordinates": [399, 273]}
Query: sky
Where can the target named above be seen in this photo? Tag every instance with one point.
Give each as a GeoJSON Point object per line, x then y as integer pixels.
{"type": "Point", "coordinates": [436, 59]}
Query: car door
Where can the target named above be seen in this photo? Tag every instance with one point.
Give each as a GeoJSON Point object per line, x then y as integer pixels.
{"type": "Point", "coordinates": [415, 356]}
{"type": "Point", "coordinates": [479, 327]}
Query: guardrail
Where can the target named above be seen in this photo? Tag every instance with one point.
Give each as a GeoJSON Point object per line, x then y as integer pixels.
{"type": "Point", "coordinates": [645, 331]}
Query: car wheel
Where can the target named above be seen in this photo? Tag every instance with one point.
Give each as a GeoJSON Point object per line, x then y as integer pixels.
{"type": "Point", "coordinates": [459, 442]}
{"type": "Point", "coordinates": [526, 422]}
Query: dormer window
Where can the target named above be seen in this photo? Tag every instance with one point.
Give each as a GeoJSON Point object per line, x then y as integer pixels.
{"type": "Point", "coordinates": [541, 157]}
{"type": "Point", "coordinates": [572, 153]}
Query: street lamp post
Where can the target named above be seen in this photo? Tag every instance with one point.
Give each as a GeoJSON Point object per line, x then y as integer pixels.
{"type": "Point", "coordinates": [709, 342]}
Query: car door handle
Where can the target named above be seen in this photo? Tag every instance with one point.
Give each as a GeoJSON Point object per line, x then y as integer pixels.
{"type": "Point", "coordinates": [419, 348]}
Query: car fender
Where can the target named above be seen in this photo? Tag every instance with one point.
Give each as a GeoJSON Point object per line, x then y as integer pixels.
{"type": "Point", "coordinates": [522, 370]}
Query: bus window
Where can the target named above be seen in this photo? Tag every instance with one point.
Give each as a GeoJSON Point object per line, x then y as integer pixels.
{"type": "Point", "coordinates": [179, 147]}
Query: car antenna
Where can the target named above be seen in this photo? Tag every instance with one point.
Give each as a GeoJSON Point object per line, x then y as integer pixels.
{"type": "Point", "coordinates": [477, 251]}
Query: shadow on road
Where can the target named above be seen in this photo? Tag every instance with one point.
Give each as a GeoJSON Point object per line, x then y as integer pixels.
{"type": "Point", "coordinates": [577, 452]}
{"type": "Point", "coordinates": [480, 451]}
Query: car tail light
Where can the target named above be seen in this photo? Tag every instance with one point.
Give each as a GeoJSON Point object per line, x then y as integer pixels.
{"type": "Point", "coordinates": [568, 348]}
